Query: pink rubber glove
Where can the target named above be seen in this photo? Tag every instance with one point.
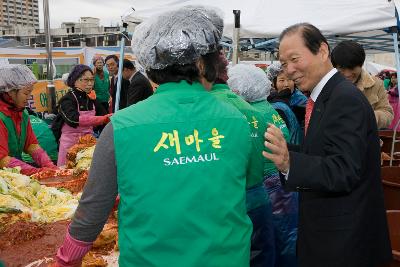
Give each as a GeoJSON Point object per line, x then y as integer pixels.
{"type": "Point", "coordinates": [42, 159]}
{"type": "Point", "coordinates": [26, 169]}
{"type": "Point", "coordinates": [88, 120]}
{"type": "Point", "coordinates": [72, 251]}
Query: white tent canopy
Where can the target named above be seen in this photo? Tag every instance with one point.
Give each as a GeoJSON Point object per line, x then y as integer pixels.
{"type": "Point", "coordinates": [266, 19]}
{"type": "Point", "coordinates": [375, 68]}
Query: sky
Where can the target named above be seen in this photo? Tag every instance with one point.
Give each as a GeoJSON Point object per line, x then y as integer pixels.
{"type": "Point", "coordinates": [109, 11]}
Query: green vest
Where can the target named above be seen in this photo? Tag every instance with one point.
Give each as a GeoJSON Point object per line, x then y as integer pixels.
{"type": "Point", "coordinates": [16, 143]}
{"type": "Point", "coordinates": [257, 127]}
{"type": "Point", "coordinates": [255, 174]}
{"type": "Point", "coordinates": [271, 116]}
{"type": "Point", "coordinates": [181, 160]}
{"type": "Point", "coordinates": [101, 87]}
{"type": "Point", "coordinates": [45, 138]}
{"type": "Point", "coordinates": [386, 84]}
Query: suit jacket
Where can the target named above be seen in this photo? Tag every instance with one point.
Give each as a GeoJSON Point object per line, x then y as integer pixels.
{"type": "Point", "coordinates": [123, 94]}
{"type": "Point", "coordinates": [139, 89]}
{"type": "Point", "coordinates": [342, 219]}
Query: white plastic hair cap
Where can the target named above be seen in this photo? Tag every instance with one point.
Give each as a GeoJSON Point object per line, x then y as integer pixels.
{"type": "Point", "coordinates": [64, 78]}
{"type": "Point", "coordinates": [15, 76]}
{"type": "Point", "coordinates": [274, 70]}
{"type": "Point", "coordinates": [177, 37]}
{"type": "Point", "coordinates": [214, 14]}
{"type": "Point", "coordinates": [249, 81]}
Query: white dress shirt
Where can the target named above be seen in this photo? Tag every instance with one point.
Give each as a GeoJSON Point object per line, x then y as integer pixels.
{"type": "Point", "coordinates": [318, 88]}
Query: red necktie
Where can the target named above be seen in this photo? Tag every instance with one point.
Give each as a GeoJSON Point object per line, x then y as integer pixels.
{"type": "Point", "coordinates": [309, 108]}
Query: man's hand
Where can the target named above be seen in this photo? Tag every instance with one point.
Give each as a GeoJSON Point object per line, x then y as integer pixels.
{"type": "Point", "coordinates": [279, 151]}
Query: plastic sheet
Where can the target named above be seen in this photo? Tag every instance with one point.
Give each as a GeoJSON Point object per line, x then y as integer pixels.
{"type": "Point", "coordinates": [285, 220]}
{"type": "Point", "coordinates": [250, 82]}
{"type": "Point", "coordinates": [15, 76]}
{"type": "Point", "coordinates": [177, 37]}
{"type": "Point", "coordinates": [273, 70]}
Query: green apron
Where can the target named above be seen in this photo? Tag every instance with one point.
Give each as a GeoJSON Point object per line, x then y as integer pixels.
{"type": "Point", "coordinates": [101, 87]}
{"type": "Point", "coordinates": [45, 138]}
{"type": "Point", "coordinates": [16, 143]}
{"type": "Point", "coordinates": [181, 160]}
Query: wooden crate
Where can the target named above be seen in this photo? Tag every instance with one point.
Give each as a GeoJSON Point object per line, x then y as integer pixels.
{"type": "Point", "coordinates": [391, 187]}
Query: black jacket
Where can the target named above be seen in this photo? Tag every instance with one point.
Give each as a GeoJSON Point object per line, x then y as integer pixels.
{"type": "Point", "coordinates": [342, 219]}
{"type": "Point", "coordinates": [68, 107]}
{"type": "Point", "coordinates": [139, 89]}
{"type": "Point", "coordinates": [68, 110]}
{"type": "Point", "coordinates": [123, 93]}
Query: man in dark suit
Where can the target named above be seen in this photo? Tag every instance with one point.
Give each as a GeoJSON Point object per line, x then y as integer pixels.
{"type": "Point", "coordinates": [140, 87]}
{"type": "Point", "coordinates": [112, 66]}
{"type": "Point", "coordinates": [342, 220]}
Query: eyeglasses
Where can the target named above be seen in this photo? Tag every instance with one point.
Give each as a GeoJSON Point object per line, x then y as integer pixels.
{"type": "Point", "coordinates": [87, 80]}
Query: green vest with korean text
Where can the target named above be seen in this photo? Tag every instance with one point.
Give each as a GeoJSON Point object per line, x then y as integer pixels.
{"type": "Point", "coordinates": [255, 174]}
{"type": "Point", "coordinates": [182, 158]}
{"type": "Point", "coordinates": [16, 143]}
{"type": "Point", "coordinates": [257, 129]}
{"type": "Point", "coordinates": [271, 116]}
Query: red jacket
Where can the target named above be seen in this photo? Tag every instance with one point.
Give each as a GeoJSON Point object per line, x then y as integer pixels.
{"type": "Point", "coordinates": [8, 109]}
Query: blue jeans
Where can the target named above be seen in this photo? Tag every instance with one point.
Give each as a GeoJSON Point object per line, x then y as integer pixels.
{"type": "Point", "coordinates": [262, 252]}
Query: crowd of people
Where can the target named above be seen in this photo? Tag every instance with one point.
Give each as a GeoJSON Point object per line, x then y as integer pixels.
{"type": "Point", "coordinates": [219, 166]}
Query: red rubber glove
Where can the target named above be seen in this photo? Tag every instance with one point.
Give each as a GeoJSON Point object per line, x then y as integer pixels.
{"type": "Point", "coordinates": [42, 159]}
{"type": "Point", "coordinates": [26, 169]}
{"type": "Point", "coordinates": [89, 120]}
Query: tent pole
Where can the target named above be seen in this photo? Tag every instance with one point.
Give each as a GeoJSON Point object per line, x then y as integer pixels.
{"type": "Point", "coordinates": [48, 40]}
{"type": "Point", "coordinates": [236, 37]}
{"type": "Point", "coordinates": [50, 89]}
{"type": "Point", "coordinates": [120, 66]}
{"type": "Point", "coordinates": [396, 52]}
